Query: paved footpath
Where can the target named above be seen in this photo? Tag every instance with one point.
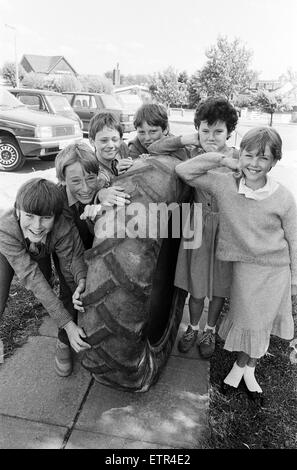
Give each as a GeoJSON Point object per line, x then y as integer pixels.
{"type": "Point", "coordinates": [39, 410]}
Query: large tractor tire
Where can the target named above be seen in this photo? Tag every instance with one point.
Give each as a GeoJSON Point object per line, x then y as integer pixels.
{"type": "Point", "coordinates": [132, 309]}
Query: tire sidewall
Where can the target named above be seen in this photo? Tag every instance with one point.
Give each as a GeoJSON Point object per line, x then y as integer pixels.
{"type": "Point", "coordinates": [9, 145]}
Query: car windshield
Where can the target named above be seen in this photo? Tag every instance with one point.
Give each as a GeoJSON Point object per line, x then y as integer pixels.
{"type": "Point", "coordinates": [59, 103]}
{"type": "Point", "coordinates": [7, 100]}
{"type": "Point", "coordinates": [110, 102]}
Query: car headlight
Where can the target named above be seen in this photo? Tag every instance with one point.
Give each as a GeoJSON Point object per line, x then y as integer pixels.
{"type": "Point", "coordinates": [43, 132]}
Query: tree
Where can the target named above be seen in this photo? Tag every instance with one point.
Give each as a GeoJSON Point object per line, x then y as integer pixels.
{"type": "Point", "coordinates": [166, 88]}
{"type": "Point", "coordinates": [137, 79]}
{"type": "Point", "coordinates": [183, 77]}
{"type": "Point", "coordinates": [96, 83]}
{"type": "Point", "coordinates": [57, 83]}
{"type": "Point", "coordinates": [109, 75]}
{"type": "Point", "coordinates": [194, 91]}
{"type": "Point", "coordinates": [270, 103]}
{"type": "Point", "coordinates": [227, 69]}
{"type": "Point", "coordinates": [34, 80]}
{"type": "Point", "coordinates": [8, 72]}
{"type": "Point", "coordinates": [289, 76]}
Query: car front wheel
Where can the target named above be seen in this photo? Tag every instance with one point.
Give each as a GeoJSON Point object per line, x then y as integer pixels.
{"type": "Point", "coordinates": [11, 157]}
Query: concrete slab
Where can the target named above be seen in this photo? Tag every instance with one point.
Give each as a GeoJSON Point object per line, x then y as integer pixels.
{"type": "Point", "coordinates": [48, 327]}
{"type": "Point", "coordinates": [30, 388]}
{"type": "Point", "coordinates": [16, 433]}
{"type": "Point", "coordinates": [185, 374]}
{"type": "Point", "coordinates": [90, 440]}
{"type": "Point", "coordinates": [172, 417]}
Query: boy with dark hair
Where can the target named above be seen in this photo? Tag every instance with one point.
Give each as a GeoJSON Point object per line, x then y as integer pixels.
{"type": "Point", "coordinates": [198, 271]}
{"type": "Point", "coordinates": [151, 124]}
{"type": "Point", "coordinates": [29, 233]}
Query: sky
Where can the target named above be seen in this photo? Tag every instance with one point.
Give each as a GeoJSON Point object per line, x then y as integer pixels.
{"type": "Point", "coordinates": [148, 36]}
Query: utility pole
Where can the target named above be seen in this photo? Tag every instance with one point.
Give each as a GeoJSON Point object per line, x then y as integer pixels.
{"type": "Point", "coordinates": [15, 54]}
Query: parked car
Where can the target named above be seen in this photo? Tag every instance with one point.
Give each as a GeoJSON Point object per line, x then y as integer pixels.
{"type": "Point", "coordinates": [27, 133]}
{"type": "Point", "coordinates": [86, 105]}
{"type": "Point", "coordinates": [47, 101]}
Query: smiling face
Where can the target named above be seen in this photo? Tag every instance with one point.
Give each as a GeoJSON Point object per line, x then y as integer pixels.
{"type": "Point", "coordinates": [213, 137]}
{"type": "Point", "coordinates": [35, 227]}
{"type": "Point", "coordinates": [107, 143]}
{"type": "Point", "coordinates": [255, 165]}
{"type": "Point", "coordinates": [82, 185]}
{"type": "Point", "coordinates": [148, 134]}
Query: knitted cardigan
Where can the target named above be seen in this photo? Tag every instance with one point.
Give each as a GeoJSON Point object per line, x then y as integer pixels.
{"type": "Point", "coordinates": [251, 231]}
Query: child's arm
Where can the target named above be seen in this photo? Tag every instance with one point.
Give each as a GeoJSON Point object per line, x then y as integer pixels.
{"type": "Point", "coordinates": [289, 223]}
{"type": "Point", "coordinates": [134, 149]}
{"type": "Point", "coordinates": [30, 275]}
{"type": "Point", "coordinates": [195, 171]}
{"type": "Point", "coordinates": [124, 164]}
{"type": "Point", "coordinates": [70, 251]}
{"type": "Point", "coordinates": [91, 211]}
{"type": "Point", "coordinates": [174, 146]}
{"type": "Point", "coordinates": [114, 195]}
{"type": "Point", "coordinates": [76, 335]}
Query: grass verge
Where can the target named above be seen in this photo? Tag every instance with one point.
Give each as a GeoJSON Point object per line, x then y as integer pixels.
{"type": "Point", "coordinates": [235, 422]}
{"type": "Point", "coordinates": [21, 319]}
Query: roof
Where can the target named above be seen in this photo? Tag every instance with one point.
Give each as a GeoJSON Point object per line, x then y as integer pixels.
{"type": "Point", "coordinates": [44, 63]}
{"type": "Point", "coordinates": [88, 93]}
{"type": "Point", "coordinates": [35, 90]}
{"type": "Point", "coordinates": [131, 87]}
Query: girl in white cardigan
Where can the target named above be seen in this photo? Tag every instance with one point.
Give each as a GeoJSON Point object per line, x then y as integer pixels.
{"type": "Point", "coordinates": [258, 233]}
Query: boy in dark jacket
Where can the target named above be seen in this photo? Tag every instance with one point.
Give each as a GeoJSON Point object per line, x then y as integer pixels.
{"type": "Point", "coordinates": [29, 233]}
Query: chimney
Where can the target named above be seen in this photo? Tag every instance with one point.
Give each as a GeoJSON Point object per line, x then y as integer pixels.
{"type": "Point", "coordinates": [116, 76]}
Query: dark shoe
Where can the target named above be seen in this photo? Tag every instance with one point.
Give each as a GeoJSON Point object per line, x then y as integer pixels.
{"type": "Point", "coordinates": [187, 340]}
{"type": "Point", "coordinates": [63, 359]}
{"type": "Point", "coordinates": [256, 397]}
{"type": "Point", "coordinates": [207, 344]}
{"type": "Point", "coordinates": [226, 389]}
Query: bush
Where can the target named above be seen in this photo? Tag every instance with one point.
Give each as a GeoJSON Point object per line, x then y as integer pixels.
{"type": "Point", "coordinates": [96, 84]}
{"type": "Point", "coordinates": [57, 83]}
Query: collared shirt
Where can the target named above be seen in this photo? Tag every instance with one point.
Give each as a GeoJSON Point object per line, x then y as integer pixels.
{"type": "Point", "coordinates": [85, 227]}
{"type": "Point", "coordinates": [261, 193]}
{"type": "Point", "coordinates": [71, 199]}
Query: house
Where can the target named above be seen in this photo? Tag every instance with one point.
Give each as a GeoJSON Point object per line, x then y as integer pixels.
{"type": "Point", "coordinates": [47, 65]}
{"type": "Point", "coordinates": [266, 85]}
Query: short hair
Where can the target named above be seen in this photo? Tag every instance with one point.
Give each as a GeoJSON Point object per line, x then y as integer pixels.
{"type": "Point", "coordinates": [40, 197]}
{"type": "Point", "coordinates": [152, 113]}
{"type": "Point", "coordinates": [104, 119]}
{"type": "Point", "coordinates": [215, 109]}
{"type": "Point", "coordinates": [78, 152]}
{"type": "Point", "coordinates": [258, 137]}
